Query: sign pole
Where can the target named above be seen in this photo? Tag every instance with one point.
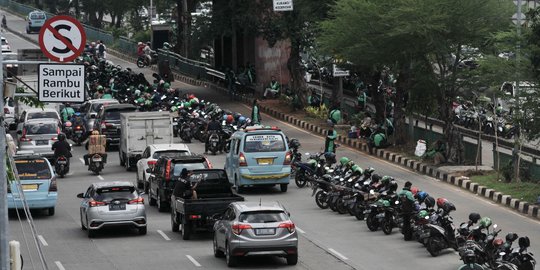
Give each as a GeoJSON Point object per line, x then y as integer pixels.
{"type": "Point", "coordinates": [4, 241]}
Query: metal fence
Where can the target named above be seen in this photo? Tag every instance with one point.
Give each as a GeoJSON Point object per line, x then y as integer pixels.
{"type": "Point", "coordinates": [185, 66]}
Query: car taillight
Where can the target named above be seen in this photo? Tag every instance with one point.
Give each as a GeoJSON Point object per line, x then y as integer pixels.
{"type": "Point", "coordinates": [209, 164]}
{"type": "Point", "coordinates": [168, 171]}
{"type": "Point", "coordinates": [242, 160]}
{"type": "Point", "coordinates": [54, 138]}
{"type": "Point", "coordinates": [24, 139]}
{"type": "Point", "coordinates": [192, 217]}
{"type": "Point", "coordinates": [237, 228]}
{"type": "Point", "coordinates": [94, 203]}
{"type": "Point", "coordinates": [289, 225]}
{"type": "Point", "coordinates": [151, 163]}
{"type": "Point", "coordinates": [78, 127]}
{"type": "Point", "coordinates": [6, 111]}
{"type": "Point", "coordinates": [139, 200]}
{"type": "Point", "coordinates": [287, 160]}
{"type": "Point", "coordinates": [53, 187]}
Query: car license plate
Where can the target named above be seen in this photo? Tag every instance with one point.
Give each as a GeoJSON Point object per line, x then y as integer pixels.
{"type": "Point", "coordinates": [42, 142]}
{"type": "Point", "coordinates": [30, 187]}
{"type": "Point", "coordinates": [116, 207]}
{"type": "Point", "coordinates": [265, 161]}
{"type": "Point", "coordinates": [265, 231]}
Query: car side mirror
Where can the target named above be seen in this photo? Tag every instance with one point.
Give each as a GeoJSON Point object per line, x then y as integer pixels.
{"type": "Point", "coordinates": [149, 170]}
{"type": "Point", "coordinates": [80, 195]}
{"type": "Point", "coordinates": [93, 116]}
{"type": "Point", "coordinates": [138, 156]}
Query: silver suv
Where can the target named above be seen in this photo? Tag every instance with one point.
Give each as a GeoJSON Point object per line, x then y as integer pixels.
{"type": "Point", "coordinates": [39, 135]}
{"type": "Point", "coordinates": [107, 204]}
{"type": "Point", "coordinates": [252, 229]}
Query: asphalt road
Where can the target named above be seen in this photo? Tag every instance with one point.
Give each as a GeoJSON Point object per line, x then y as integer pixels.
{"type": "Point", "coordinates": [328, 240]}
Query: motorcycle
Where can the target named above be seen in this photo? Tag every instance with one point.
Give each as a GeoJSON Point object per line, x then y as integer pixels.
{"type": "Point", "coordinates": [442, 236]}
{"type": "Point", "coordinates": [185, 132]}
{"type": "Point", "coordinates": [61, 166]}
{"type": "Point", "coordinates": [78, 134]}
{"type": "Point", "coordinates": [214, 142]}
{"type": "Point", "coordinates": [96, 163]}
{"type": "Point", "coordinates": [142, 61]}
{"type": "Point", "coordinates": [523, 259]}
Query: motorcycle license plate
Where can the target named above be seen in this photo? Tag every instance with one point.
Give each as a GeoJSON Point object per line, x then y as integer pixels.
{"type": "Point", "coordinates": [96, 159]}
{"type": "Point", "coordinates": [78, 131]}
{"type": "Point", "coordinates": [62, 162]}
{"type": "Point", "coordinates": [265, 161]}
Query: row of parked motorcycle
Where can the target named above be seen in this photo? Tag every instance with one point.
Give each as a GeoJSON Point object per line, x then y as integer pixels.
{"type": "Point", "coordinates": [481, 118]}
{"type": "Point", "coordinates": [346, 188]}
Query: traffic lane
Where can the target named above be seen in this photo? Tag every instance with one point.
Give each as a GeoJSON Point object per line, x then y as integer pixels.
{"type": "Point", "coordinates": [17, 43]}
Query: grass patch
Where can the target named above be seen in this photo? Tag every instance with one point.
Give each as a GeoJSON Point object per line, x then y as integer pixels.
{"type": "Point", "coordinates": [524, 191]}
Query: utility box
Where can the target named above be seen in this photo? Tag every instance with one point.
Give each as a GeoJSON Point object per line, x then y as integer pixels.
{"type": "Point", "coordinates": [160, 35]}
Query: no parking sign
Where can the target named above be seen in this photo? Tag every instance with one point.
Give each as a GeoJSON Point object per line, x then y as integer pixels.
{"type": "Point", "coordinates": [62, 38]}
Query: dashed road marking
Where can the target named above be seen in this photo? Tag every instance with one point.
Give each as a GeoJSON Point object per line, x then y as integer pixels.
{"type": "Point", "coordinates": [59, 265]}
{"type": "Point", "coordinates": [196, 263]}
{"type": "Point", "coordinates": [338, 254]}
{"type": "Point", "coordinates": [82, 160]}
{"type": "Point", "coordinates": [300, 230]}
{"type": "Point", "coordinates": [164, 235]}
{"type": "Point", "coordinates": [100, 177]}
{"type": "Point", "coordinates": [42, 240]}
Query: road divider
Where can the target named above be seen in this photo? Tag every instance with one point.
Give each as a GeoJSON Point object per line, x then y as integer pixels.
{"type": "Point", "coordinates": [42, 240]}
{"type": "Point", "coordinates": [341, 256]}
{"type": "Point", "coordinates": [195, 262]}
{"type": "Point", "coordinates": [164, 235]}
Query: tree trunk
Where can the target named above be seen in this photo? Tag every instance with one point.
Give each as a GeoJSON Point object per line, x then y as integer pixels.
{"type": "Point", "coordinates": [377, 97]}
{"type": "Point", "coordinates": [297, 83]}
{"type": "Point", "coordinates": [113, 19]}
{"type": "Point", "coordinates": [179, 26]}
{"type": "Point", "coordinates": [402, 88]}
{"type": "Point", "coordinates": [119, 18]}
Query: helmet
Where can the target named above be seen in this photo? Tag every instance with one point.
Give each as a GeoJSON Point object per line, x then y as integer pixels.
{"type": "Point", "coordinates": [167, 85]}
{"type": "Point", "coordinates": [423, 214]}
{"type": "Point", "coordinates": [386, 179]}
{"type": "Point", "coordinates": [357, 169]}
{"type": "Point", "coordinates": [236, 116]}
{"type": "Point", "coordinates": [498, 242]}
{"type": "Point", "coordinates": [61, 137]}
{"type": "Point", "coordinates": [369, 170]}
{"type": "Point", "coordinates": [421, 196]}
{"type": "Point", "coordinates": [344, 160]}
{"type": "Point", "coordinates": [415, 190]}
{"type": "Point", "coordinates": [392, 186]}
{"type": "Point", "coordinates": [449, 207]}
{"type": "Point", "coordinates": [524, 242]}
{"type": "Point", "coordinates": [95, 132]}
{"type": "Point", "coordinates": [485, 222]}
{"type": "Point", "coordinates": [241, 119]}
{"type": "Point", "coordinates": [474, 217]}
{"type": "Point", "coordinates": [429, 202]}
{"type": "Point", "coordinates": [295, 143]}
{"type": "Point", "coordinates": [511, 237]}
{"type": "Point", "coordinates": [384, 203]}
{"type": "Point", "coordinates": [166, 45]}
{"type": "Point", "coordinates": [230, 118]}
{"type": "Point", "coordinates": [139, 43]}
{"type": "Point", "coordinates": [440, 202]}
{"type": "Point", "coordinates": [67, 124]}
{"type": "Point", "coordinates": [375, 178]}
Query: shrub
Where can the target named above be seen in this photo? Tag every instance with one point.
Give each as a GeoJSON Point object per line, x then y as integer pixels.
{"type": "Point", "coordinates": [318, 112]}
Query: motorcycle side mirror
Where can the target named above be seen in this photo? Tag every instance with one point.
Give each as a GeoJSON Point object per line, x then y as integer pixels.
{"type": "Point", "coordinates": [307, 154]}
{"type": "Point", "coordinates": [372, 192]}
{"type": "Point", "coordinates": [495, 226]}
{"type": "Point", "coordinates": [80, 195]}
{"type": "Point", "coordinates": [397, 202]}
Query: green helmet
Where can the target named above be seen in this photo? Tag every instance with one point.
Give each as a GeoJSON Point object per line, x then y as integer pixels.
{"type": "Point", "coordinates": [384, 203]}
{"type": "Point", "coordinates": [100, 87]}
{"type": "Point", "coordinates": [174, 109]}
{"type": "Point", "coordinates": [423, 214]}
{"type": "Point", "coordinates": [385, 179]}
{"type": "Point", "coordinates": [166, 85]}
{"type": "Point", "coordinates": [485, 222]}
{"type": "Point", "coordinates": [140, 100]}
{"type": "Point", "coordinates": [312, 162]}
{"type": "Point", "coordinates": [344, 160]}
{"type": "Point", "coordinates": [187, 104]}
{"type": "Point", "coordinates": [357, 169]}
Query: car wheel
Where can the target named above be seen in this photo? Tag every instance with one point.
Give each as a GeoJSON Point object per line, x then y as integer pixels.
{"type": "Point", "coordinates": [239, 189]}
{"type": "Point", "coordinates": [186, 229]}
{"type": "Point", "coordinates": [292, 259]}
{"type": "Point", "coordinates": [142, 230]}
{"type": "Point", "coordinates": [162, 207]}
{"type": "Point", "coordinates": [50, 211]}
{"type": "Point", "coordinates": [175, 227]}
{"type": "Point", "coordinates": [122, 161]}
{"type": "Point", "coordinates": [91, 233]}
{"type": "Point", "coordinates": [151, 200]}
{"type": "Point", "coordinates": [232, 261]}
{"type": "Point", "coordinates": [145, 184]}
{"type": "Point", "coordinates": [283, 187]}
{"type": "Point", "coordinates": [82, 225]}
{"type": "Point", "coordinates": [217, 253]}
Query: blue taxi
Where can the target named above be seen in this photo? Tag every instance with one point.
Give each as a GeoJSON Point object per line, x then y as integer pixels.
{"type": "Point", "coordinates": [259, 156]}
{"type": "Point", "coordinates": [37, 183]}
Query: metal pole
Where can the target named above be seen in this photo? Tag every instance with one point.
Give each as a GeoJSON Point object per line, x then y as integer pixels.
{"type": "Point", "coordinates": [4, 242]}
{"type": "Point", "coordinates": [150, 16]}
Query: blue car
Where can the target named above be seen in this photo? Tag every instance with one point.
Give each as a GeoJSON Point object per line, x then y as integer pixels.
{"type": "Point", "coordinates": [37, 182]}
{"type": "Point", "coordinates": [258, 157]}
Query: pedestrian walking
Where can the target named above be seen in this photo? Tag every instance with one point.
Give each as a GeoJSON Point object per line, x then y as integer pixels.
{"type": "Point", "coordinates": [255, 113]}
{"type": "Point", "coordinates": [101, 49]}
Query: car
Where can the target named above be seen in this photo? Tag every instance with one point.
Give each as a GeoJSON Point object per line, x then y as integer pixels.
{"type": "Point", "coordinates": [112, 204]}
{"type": "Point", "coordinates": [91, 108]}
{"type": "Point", "coordinates": [255, 228]}
{"type": "Point", "coordinates": [39, 135]}
{"type": "Point", "coordinates": [151, 155]}
{"type": "Point", "coordinates": [165, 174]}
{"type": "Point", "coordinates": [9, 107]}
{"type": "Point", "coordinates": [108, 121]}
{"type": "Point", "coordinates": [37, 181]}
{"type": "Point", "coordinates": [259, 156]}
{"type": "Point", "coordinates": [35, 19]}
{"type": "Point", "coordinates": [5, 45]}
{"type": "Point", "coordinates": [34, 113]}
{"type": "Point", "coordinates": [11, 69]}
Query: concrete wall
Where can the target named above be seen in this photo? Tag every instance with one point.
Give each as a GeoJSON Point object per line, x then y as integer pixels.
{"type": "Point", "coordinates": [271, 61]}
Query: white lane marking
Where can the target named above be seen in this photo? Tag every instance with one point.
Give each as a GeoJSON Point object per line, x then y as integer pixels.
{"type": "Point", "coordinates": [59, 265]}
{"type": "Point", "coordinates": [300, 230]}
{"type": "Point", "coordinates": [196, 263]}
{"type": "Point", "coordinates": [42, 240]}
{"type": "Point", "coordinates": [100, 177]}
{"type": "Point", "coordinates": [22, 39]}
{"type": "Point", "coordinates": [82, 160]}
{"type": "Point", "coordinates": [338, 254]}
{"type": "Point", "coordinates": [164, 235]}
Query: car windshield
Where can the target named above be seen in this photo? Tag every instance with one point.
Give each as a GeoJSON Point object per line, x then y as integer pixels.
{"type": "Point", "coordinates": [264, 143]}
{"type": "Point", "coordinates": [170, 153]}
{"type": "Point", "coordinates": [115, 114]}
{"type": "Point", "coordinates": [263, 217]}
{"type": "Point", "coordinates": [37, 16]}
{"type": "Point", "coordinates": [38, 115]}
{"type": "Point", "coordinates": [35, 129]}
{"type": "Point", "coordinates": [115, 193]}
{"type": "Point", "coordinates": [190, 166]}
{"type": "Point", "coordinates": [97, 106]}
{"type": "Point", "coordinates": [32, 169]}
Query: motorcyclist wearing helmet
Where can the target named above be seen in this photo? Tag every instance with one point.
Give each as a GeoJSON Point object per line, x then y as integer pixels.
{"type": "Point", "coordinates": [96, 145]}
{"type": "Point", "coordinates": [329, 144]}
{"type": "Point", "coordinates": [62, 148]}
{"type": "Point", "coordinates": [67, 112]}
{"type": "Point", "coordinates": [147, 51]}
{"type": "Point", "coordinates": [211, 127]}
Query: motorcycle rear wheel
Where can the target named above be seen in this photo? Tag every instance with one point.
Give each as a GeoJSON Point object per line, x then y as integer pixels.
{"type": "Point", "coordinates": [372, 223]}
{"type": "Point", "coordinates": [387, 227]}
{"type": "Point", "coordinates": [320, 200]}
{"type": "Point", "coordinates": [340, 207]}
{"type": "Point", "coordinates": [140, 63]}
{"type": "Point", "coordinates": [433, 245]}
{"type": "Point", "coordinates": [299, 180]}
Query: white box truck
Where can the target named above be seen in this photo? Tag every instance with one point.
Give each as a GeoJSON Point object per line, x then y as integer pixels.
{"type": "Point", "coordinates": [140, 129]}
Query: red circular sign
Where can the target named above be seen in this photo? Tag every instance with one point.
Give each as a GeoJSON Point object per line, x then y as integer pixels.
{"type": "Point", "coordinates": [62, 38]}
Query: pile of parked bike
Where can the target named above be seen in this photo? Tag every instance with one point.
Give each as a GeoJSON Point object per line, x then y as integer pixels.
{"type": "Point", "coordinates": [345, 187]}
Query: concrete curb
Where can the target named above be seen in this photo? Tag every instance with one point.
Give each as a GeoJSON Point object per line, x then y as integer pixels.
{"type": "Point", "coordinates": [459, 181]}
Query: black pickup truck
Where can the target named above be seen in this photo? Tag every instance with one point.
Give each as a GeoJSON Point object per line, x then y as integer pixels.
{"type": "Point", "coordinates": [214, 194]}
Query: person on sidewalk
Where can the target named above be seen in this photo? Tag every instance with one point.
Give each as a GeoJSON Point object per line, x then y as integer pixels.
{"type": "Point", "coordinates": [377, 140]}
{"type": "Point", "coordinates": [329, 143]}
{"type": "Point", "coordinates": [255, 113]}
{"type": "Point", "coordinates": [273, 88]}
{"type": "Point", "coordinates": [313, 99]}
{"type": "Point", "coordinates": [437, 152]}
{"type": "Point", "coordinates": [335, 115]}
